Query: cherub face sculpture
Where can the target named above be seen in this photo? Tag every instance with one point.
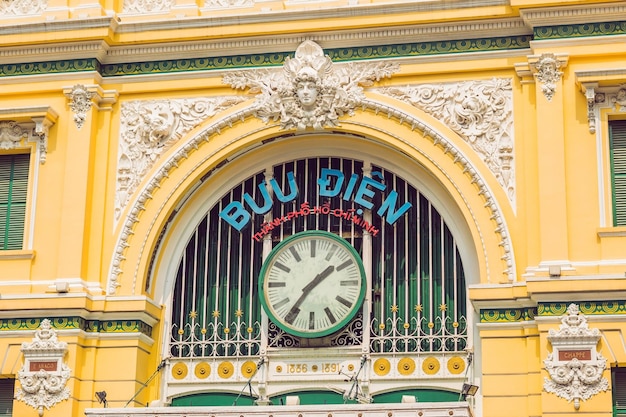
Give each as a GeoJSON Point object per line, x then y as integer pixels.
{"type": "Point", "coordinates": [307, 88]}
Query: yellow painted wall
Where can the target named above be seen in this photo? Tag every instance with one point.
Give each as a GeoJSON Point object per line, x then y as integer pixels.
{"type": "Point", "coordinates": [561, 217]}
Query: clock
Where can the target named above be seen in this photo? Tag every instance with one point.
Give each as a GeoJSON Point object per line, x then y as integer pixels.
{"type": "Point", "coordinates": [312, 284]}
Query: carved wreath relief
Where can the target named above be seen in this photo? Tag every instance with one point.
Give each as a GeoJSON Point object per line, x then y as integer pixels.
{"type": "Point", "coordinates": [44, 376]}
{"type": "Point", "coordinates": [575, 367]}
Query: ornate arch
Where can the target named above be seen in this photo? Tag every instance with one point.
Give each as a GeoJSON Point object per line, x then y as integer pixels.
{"type": "Point", "coordinates": [311, 95]}
{"type": "Point", "coordinates": [476, 191]}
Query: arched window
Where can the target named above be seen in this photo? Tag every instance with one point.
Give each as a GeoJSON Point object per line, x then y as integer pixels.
{"type": "Point", "coordinates": [417, 299]}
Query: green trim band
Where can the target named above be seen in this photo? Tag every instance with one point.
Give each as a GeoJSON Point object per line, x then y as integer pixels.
{"type": "Point", "coordinates": [588, 308]}
{"type": "Point", "coordinates": [79, 323]}
{"type": "Point", "coordinates": [266, 60]}
{"type": "Point", "coordinates": [585, 307]}
{"type": "Point", "coordinates": [578, 31]}
{"type": "Point", "coordinates": [337, 55]}
{"type": "Point", "coordinates": [507, 315]}
{"type": "Point", "coordinates": [52, 67]}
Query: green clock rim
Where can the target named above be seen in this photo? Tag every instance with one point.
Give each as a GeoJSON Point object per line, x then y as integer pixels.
{"type": "Point", "coordinates": [277, 249]}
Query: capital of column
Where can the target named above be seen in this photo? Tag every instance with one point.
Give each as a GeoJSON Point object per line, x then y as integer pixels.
{"type": "Point", "coordinates": [82, 97]}
{"type": "Point", "coordinates": [546, 69]}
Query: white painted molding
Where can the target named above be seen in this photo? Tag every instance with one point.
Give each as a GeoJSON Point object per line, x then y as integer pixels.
{"type": "Point", "coordinates": [26, 124]}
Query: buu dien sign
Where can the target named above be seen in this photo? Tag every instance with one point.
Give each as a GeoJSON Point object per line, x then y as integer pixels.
{"type": "Point", "coordinates": [331, 183]}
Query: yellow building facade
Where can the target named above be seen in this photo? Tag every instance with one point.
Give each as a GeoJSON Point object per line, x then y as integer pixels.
{"type": "Point", "coordinates": [352, 207]}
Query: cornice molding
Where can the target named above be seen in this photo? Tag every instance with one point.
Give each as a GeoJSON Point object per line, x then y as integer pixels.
{"type": "Point", "coordinates": [107, 54]}
{"type": "Point", "coordinates": [588, 13]}
{"type": "Point", "coordinates": [56, 51]}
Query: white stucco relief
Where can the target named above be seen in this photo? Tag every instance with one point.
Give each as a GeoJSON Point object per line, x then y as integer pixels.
{"type": "Point", "coordinates": [13, 134]}
{"type": "Point", "coordinates": [282, 99]}
{"type": "Point", "coordinates": [22, 7]}
{"type": "Point", "coordinates": [80, 103]}
{"type": "Point", "coordinates": [44, 376]}
{"type": "Point", "coordinates": [143, 6]}
{"type": "Point", "coordinates": [575, 366]}
{"type": "Point", "coordinates": [222, 4]}
{"type": "Point", "coordinates": [310, 91]}
{"type": "Point", "coordinates": [149, 128]}
{"type": "Point", "coordinates": [481, 112]}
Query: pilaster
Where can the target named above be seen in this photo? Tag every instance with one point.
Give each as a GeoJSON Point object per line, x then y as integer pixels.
{"type": "Point", "coordinates": [84, 103]}
{"type": "Point", "coordinates": [545, 71]}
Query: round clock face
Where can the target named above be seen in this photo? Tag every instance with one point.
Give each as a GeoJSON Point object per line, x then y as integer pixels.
{"type": "Point", "coordinates": [312, 284]}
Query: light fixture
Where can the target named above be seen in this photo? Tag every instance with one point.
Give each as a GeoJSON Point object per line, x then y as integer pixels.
{"type": "Point", "coordinates": [469, 389]}
{"type": "Point", "coordinates": [102, 397]}
{"type": "Point", "coordinates": [409, 399]}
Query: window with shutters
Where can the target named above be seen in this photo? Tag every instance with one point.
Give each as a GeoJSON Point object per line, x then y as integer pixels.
{"type": "Point", "coordinates": [619, 391]}
{"type": "Point", "coordinates": [13, 194]}
{"type": "Point", "coordinates": [617, 136]}
{"type": "Point", "coordinates": [7, 387]}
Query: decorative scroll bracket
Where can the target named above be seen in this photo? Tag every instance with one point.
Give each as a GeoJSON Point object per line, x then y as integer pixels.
{"type": "Point", "coordinates": [44, 376]}
{"type": "Point", "coordinates": [575, 366]}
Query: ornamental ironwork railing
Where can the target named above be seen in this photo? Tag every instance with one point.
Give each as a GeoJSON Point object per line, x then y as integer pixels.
{"type": "Point", "coordinates": [215, 340]}
{"type": "Point", "coordinates": [417, 334]}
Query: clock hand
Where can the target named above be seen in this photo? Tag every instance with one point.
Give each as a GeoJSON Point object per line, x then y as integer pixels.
{"type": "Point", "coordinates": [319, 278]}
{"type": "Point", "coordinates": [295, 309]}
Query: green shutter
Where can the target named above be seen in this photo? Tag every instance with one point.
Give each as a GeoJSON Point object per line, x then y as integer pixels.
{"type": "Point", "coordinates": [7, 386]}
{"type": "Point", "coordinates": [617, 129]}
{"type": "Point", "coordinates": [619, 391]}
{"type": "Point", "coordinates": [13, 193]}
